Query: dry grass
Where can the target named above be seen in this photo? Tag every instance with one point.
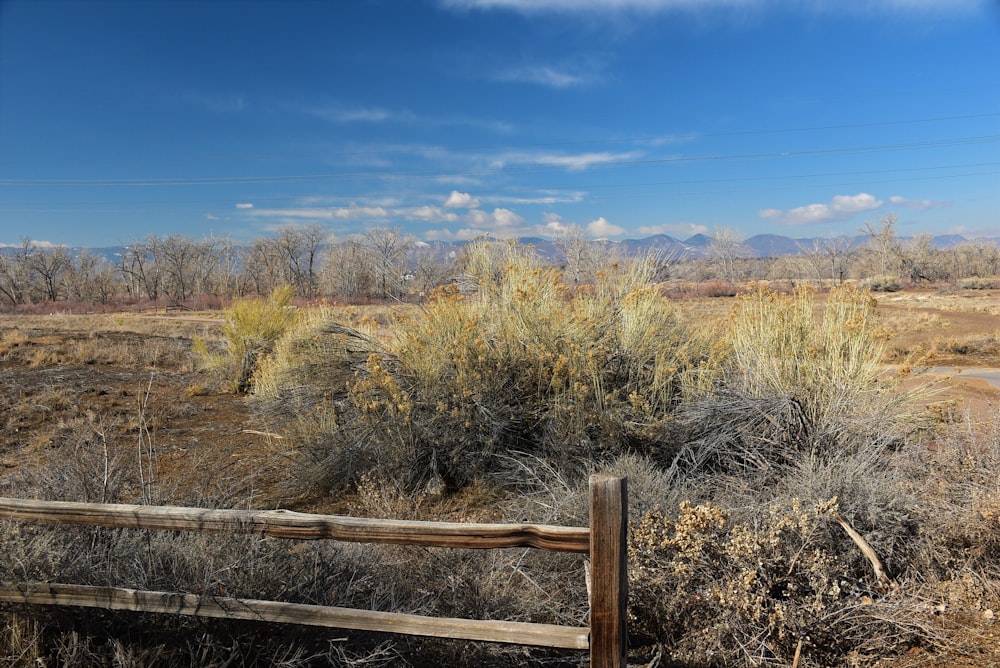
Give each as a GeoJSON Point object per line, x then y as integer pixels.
{"type": "Point", "coordinates": [523, 366]}
{"type": "Point", "coordinates": [829, 365]}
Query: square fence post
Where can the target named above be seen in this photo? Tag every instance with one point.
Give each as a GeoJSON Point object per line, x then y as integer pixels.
{"type": "Point", "coordinates": [609, 571]}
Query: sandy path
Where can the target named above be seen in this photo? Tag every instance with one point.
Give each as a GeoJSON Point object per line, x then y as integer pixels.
{"type": "Point", "coordinates": [990, 375]}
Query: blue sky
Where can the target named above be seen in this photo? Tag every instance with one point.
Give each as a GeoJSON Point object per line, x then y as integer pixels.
{"type": "Point", "coordinates": [454, 118]}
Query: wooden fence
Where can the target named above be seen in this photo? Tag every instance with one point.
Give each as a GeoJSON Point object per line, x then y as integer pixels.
{"type": "Point", "coordinates": [604, 541]}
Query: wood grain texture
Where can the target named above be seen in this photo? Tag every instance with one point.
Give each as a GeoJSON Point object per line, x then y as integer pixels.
{"type": "Point", "coordinates": [115, 598]}
{"type": "Point", "coordinates": [609, 572]}
{"type": "Point", "coordinates": [288, 524]}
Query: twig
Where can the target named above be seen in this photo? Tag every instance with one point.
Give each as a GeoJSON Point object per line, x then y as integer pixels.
{"type": "Point", "coordinates": [262, 433]}
{"type": "Point", "coordinates": [878, 567]}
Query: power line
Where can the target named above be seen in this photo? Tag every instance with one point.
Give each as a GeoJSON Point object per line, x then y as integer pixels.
{"type": "Point", "coordinates": [398, 211]}
{"type": "Point", "coordinates": [536, 167]}
{"type": "Point", "coordinates": [672, 137]}
{"type": "Point", "coordinates": [568, 188]}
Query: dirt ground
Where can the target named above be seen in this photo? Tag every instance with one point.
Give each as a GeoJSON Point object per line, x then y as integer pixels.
{"type": "Point", "coordinates": [952, 341]}
{"type": "Point", "coordinates": [79, 392]}
{"type": "Point", "coordinates": [83, 393]}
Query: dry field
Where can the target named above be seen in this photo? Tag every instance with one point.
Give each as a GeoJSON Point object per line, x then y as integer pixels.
{"type": "Point", "coordinates": [82, 396]}
{"type": "Point", "coordinates": [126, 379]}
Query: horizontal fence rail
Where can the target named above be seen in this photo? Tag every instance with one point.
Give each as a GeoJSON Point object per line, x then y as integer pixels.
{"type": "Point", "coordinates": [115, 598]}
{"type": "Point", "coordinates": [302, 526]}
{"type": "Point", "coordinates": [604, 541]}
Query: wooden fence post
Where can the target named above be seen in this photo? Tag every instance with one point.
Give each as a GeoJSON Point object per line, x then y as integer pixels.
{"type": "Point", "coordinates": [609, 571]}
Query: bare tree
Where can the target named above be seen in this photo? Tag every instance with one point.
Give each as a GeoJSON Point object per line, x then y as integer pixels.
{"type": "Point", "coordinates": [139, 268]}
{"type": "Point", "coordinates": [299, 245]}
{"type": "Point", "coordinates": [14, 274]}
{"type": "Point", "coordinates": [883, 241]}
{"type": "Point", "coordinates": [921, 261]}
{"type": "Point", "coordinates": [388, 249]}
{"type": "Point", "coordinates": [582, 254]}
{"type": "Point", "coordinates": [91, 278]}
{"type": "Point", "coordinates": [348, 271]}
{"type": "Point", "coordinates": [177, 256]}
{"type": "Point", "coordinates": [48, 266]}
{"type": "Point", "coordinates": [829, 257]}
{"type": "Point", "coordinates": [264, 267]}
{"type": "Point", "coordinates": [725, 248]}
{"type": "Point", "coordinates": [430, 269]}
{"type": "Point", "coordinates": [229, 281]}
{"type": "Point", "coordinates": [977, 258]}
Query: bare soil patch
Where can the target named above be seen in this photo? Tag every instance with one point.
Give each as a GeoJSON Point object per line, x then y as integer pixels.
{"type": "Point", "coordinates": [66, 383]}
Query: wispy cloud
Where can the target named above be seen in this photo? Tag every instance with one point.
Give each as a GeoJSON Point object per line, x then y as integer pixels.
{"type": "Point", "coordinates": [545, 75]}
{"type": "Point", "coordinates": [918, 204]}
{"type": "Point", "coordinates": [217, 103]}
{"type": "Point", "coordinates": [465, 234]}
{"type": "Point", "coordinates": [457, 180]}
{"type": "Point", "coordinates": [547, 197]}
{"type": "Point", "coordinates": [244, 205]}
{"type": "Point", "coordinates": [323, 213]}
{"type": "Point", "coordinates": [841, 207]}
{"type": "Point", "coordinates": [571, 161]}
{"type": "Point", "coordinates": [430, 214]}
{"type": "Point", "coordinates": [606, 6]}
{"type": "Point", "coordinates": [38, 243]}
{"type": "Point", "coordinates": [341, 114]}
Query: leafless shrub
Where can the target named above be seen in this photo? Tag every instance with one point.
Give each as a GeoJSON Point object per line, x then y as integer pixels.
{"type": "Point", "coordinates": [723, 592]}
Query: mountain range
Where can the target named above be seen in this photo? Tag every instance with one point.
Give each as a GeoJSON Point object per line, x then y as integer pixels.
{"type": "Point", "coordinates": [759, 245]}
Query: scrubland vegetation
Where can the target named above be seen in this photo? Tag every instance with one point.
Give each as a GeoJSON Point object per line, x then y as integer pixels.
{"type": "Point", "coordinates": [752, 435]}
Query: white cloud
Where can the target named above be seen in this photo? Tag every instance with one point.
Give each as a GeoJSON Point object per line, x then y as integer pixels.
{"type": "Point", "coordinates": [244, 205]}
{"type": "Point", "coordinates": [601, 228]}
{"type": "Point", "coordinates": [499, 219]}
{"type": "Point", "coordinates": [209, 216]}
{"type": "Point", "coordinates": [841, 207]}
{"type": "Point", "coordinates": [678, 230]}
{"type": "Point", "coordinates": [850, 204]}
{"type": "Point", "coordinates": [457, 200]}
{"type": "Point", "coordinates": [554, 225]}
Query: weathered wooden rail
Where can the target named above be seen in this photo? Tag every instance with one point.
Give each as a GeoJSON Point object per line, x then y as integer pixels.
{"type": "Point", "coordinates": [604, 541]}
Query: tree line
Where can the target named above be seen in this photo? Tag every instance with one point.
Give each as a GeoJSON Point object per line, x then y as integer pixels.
{"type": "Point", "coordinates": [376, 264]}
{"type": "Point", "coordinates": [385, 263]}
